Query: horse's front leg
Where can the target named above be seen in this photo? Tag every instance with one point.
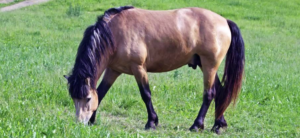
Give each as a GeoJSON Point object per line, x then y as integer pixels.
{"type": "Point", "coordinates": [109, 78]}
{"type": "Point", "coordinates": [141, 77]}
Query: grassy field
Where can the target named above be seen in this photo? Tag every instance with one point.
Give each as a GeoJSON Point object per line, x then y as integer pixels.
{"type": "Point", "coordinates": [38, 45]}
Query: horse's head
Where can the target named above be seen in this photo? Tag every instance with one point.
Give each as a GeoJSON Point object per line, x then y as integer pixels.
{"type": "Point", "coordinates": [85, 98]}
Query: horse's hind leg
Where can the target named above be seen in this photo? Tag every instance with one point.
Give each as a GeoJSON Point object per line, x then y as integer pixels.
{"type": "Point", "coordinates": [221, 122]}
{"type": "Point", "coordinates": [209, 69]}
{"type": "Point", "coordinates": [141, 77]}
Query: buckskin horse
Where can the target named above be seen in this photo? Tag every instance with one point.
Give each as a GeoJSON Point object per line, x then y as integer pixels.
{"type": "Point", "coordinates": [136, 41]}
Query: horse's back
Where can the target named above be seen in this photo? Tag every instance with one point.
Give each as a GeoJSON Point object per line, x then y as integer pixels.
{"type": "Point", "coordinates": [163, 40]}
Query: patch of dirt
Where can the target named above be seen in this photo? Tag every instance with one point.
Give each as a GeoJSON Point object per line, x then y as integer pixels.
{"type": "Point", "coordinates": [6, 1]}
{"type": "Point", "coordinates": [21, 5]}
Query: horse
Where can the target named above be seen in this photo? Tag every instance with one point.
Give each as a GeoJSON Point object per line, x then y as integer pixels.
{"type": "Point", "coordinates": [136, 41]}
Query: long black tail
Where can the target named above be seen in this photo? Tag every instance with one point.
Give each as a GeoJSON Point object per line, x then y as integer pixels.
{"type": "Point", "coordinates": [233, 72]}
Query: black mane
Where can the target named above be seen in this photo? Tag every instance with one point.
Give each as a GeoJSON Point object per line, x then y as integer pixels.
{"type": "Point", "coordinates": [97, 44]}
{"type": "Point", "coordinates": [114, 11]}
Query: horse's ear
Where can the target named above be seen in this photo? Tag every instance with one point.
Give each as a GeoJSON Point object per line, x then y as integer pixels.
{"type": "Point", "coordinates": [67, 77]}
{"type": "Point", "coordinates": [88, 81]}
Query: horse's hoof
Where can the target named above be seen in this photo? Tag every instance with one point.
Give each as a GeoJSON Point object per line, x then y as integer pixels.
{"type": "Point", "coordinates": [217, 126]}
{"type": "Point", "coordinates": [150, 125]}
{"type": "Point", "coordinates": [150, 128]}
{"type": "Point", "coordinates": [216, 130]}
{"type": "Point", "coordinates": [156, 121]}
{"type": "Point", "coordinates": [195, 128]}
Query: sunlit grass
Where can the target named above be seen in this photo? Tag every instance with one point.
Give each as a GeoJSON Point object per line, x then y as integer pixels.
{"type": "Point", "coordinates": [38, 46]}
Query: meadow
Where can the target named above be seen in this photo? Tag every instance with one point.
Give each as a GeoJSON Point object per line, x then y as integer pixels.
{"type": "Point", "coordinates": [38, 45]}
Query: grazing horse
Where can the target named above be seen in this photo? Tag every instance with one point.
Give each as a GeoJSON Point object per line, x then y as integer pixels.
{"type": "Point", "coordinates": [136, 41]}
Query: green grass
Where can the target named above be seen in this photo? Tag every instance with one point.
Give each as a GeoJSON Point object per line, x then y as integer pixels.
{"type": "Point", "coordinates": [38, 46]}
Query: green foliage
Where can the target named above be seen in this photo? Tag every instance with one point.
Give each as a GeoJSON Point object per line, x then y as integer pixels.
{"type": "Point", "coordinates": [176, 74]}
{"type": "Point", "coordinates": [38, 46]}
{"type": "Point", "coordinates": [74, 10]}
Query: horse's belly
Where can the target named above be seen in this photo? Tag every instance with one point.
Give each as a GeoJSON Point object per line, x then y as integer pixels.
{"type": "Point", "coordinates": [153, 63]}
{"type": "Point", "coordinates": [167, 63]}
{"type": "Point", "coordinates": [164, 68]}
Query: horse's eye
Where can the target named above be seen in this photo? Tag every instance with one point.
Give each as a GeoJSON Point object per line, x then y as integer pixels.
{"type": "Point", "coordinates": [88, 99]}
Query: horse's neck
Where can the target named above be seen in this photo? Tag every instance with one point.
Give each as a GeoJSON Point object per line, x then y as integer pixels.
{"type": "Point", "coordinates": [101, 66]}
